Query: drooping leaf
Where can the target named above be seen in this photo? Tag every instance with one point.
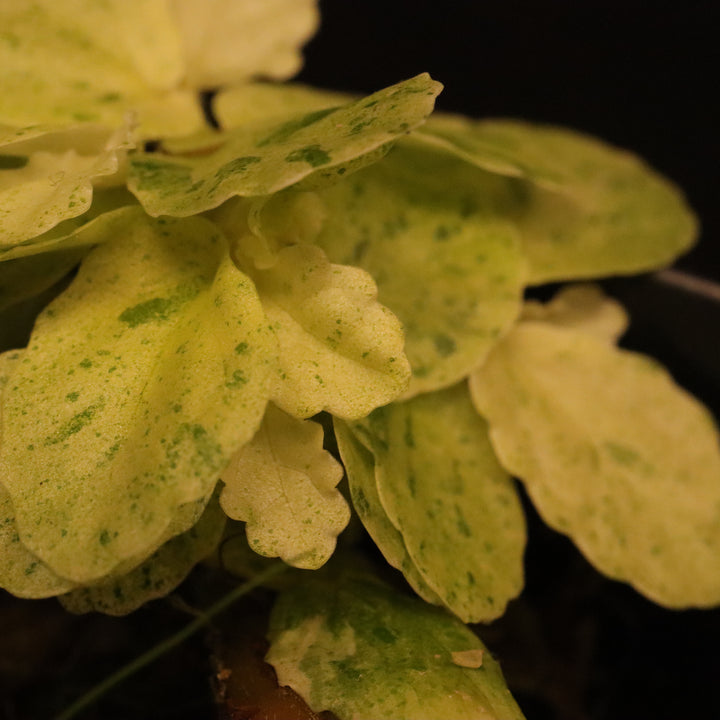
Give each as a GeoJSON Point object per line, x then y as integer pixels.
{"type": "Point", "coordinates": [456, 508]}
{"type": "Point", "coordinates": [53, 178]}
{"type": "Point", "coordinates": [262, 158]}
{"type": "Point", "coordinates": [81, 60]}
{"type": "Point", "coordinates": [163, 375]}
{"type": "Point", "coordinates": [26, 277]}
{"type": "Point", "coordinates": [158, 576]}
{"type": "Point", "coordinates": [585, 209]}
{"type": "Point", "coordinates": [613, 454]}
{"type": "Point", "coordinates": [453, 272]}
{"type": "Point", "coordinates": [364, 651]}
{"type": "Point", "coordinates": [75, 232]}
{"type": "Point", "coordinates": [581, 307]}
{"type": "Point", "coordinates": [340, 350]}
{"type": "Point", "coordinates": [283, 485]}
{"type": "Point", "coordinates": [226, 41]}
{"type": "Point", "coordinates": [360, 468]}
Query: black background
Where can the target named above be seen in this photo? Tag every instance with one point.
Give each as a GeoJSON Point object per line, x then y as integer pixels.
{"type": "Point", "coordinates": [640, 75]}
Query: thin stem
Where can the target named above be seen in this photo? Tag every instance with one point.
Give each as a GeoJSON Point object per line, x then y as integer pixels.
{"type": "Point", "coordinates": [161, 648]}
{"type": "Point", "coordinates": [708, 289]}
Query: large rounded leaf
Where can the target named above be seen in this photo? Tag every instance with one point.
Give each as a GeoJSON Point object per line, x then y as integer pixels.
{"type": "Point", "coordinates": [456, 508]}
{"type": "Point", "coordinates": [452, 270]}
{"type": "Point", "coordinates": [585, 208]}
{"type": "Point", "coordinates": [139, 383]}
{"type": "Point", "coordinates": [363, 651]}
{"type": "Point", "coordinates": [63, 62]}
{"type": "Point", "coordinates": [613, 454]}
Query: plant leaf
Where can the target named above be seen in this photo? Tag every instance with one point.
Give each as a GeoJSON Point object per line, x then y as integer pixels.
{"type": "Point", "coordinates": [364, 651]}
{"type": "Point", "coordinates": [613, 454]}
{"type": "Point", "coordinates": [157, 576]}
{"type": "Point", "coordinates": [584, 308]}
{"type": "Point", "coordinates": [283, 485]}
{"type": "Point", "coordinates": [21, 573]}
{"type": "Point", "coordinates": [359, 464]}
{"type": "Point", "coordinates": [73, 233]}
{"type": "Point", "coordinates": [28, 276]}
{"type": "Point", "coordinates": [270, 34]}
{"type": "Point", "coordinates": [263, 158]}
{"type": "Point", "coordinates": [81, 60]}
{"type": "Point", "coordinates": [450, 269]}
{"type": "Point", "coordinates": [164, 372]}
{"type": "Point", "coordinates": [251, 102]}
{"type": "Point", "coordinates": [585, 209]}
{"type": "Point", "coordinates": [340, 349]}
{"type": "Point", "coordinates": [437, 477]}
{"type": "Point", "coordinates": [55, 179]}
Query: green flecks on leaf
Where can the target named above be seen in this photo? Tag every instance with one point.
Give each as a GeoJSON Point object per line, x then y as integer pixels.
{"type": "Point", "coordinates": [288, 129]}
{"type": "Point", "coordinates": [612, 453]}
{"type": "Point", "coordinates": [75, 424]}
{"type": "Point", "coordinates": [313, 155]}
{"type": "Point", "coordinates": [156, 426]}
{"type": "Point", "coordinates": [448, 486]}
{"type": "Point", "coordinates": [304, 297]}
{"type": "Point", "coordinates": [584, 208]}
{"type": "Point", "coordinates": [283, 485]}
{"type": "Point", "coordinates": [361, 650]}
{"type": "Point", "coordinates": [156, 309]}
{"type": "Point", "coordinates": [385, 219]}
{"type": "Point", "coordinates": [283, 152]}
{"type": "Point", "coordinates": [158, 575]}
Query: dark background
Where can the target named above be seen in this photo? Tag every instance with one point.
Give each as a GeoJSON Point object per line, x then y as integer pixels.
{"type": "Point", "coordinates": [640, 75]}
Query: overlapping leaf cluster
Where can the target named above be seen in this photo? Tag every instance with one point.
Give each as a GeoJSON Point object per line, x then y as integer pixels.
{"type": "Point", "coordinates": [322, 253]}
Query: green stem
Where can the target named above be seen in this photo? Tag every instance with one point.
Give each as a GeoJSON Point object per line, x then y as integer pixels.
{"type": "Point", "coordinates": [161, 648]}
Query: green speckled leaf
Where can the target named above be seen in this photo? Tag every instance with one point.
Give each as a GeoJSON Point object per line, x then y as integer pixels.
{"type": "Point", "coordinates": [158, 576]}
{"type": "Point", "coordinates": [613, 454]}
{"type": "Point", "coordinates": [138, 393]}
{"type": "Point", "coordinates": [364, 651]}
{"type": "Point", "coordinates": [53, 177]}
{"type": "Point", "coordinates": [585, 209]}
{"type": "Point", "coordinates": [76, 232]}
{"type": "Point", "coordinates": [456, 508]}
{"type": "Point", "coordinates": [83, 60]}
{"type": "Point", "coordinates": [21, 573]}
{"type": "Point", "coordinates": [283, 485]}
{"type": "Point", "coordinates": [340, 349]}
{"type": "Point", "coordinates": [226, 41]}
{"type": "Point", "coordinates": [453, 272]}
{"type": "Point", "coordinates": [264, 157]}
{"type": "Point", "coordinates": [360, 468]}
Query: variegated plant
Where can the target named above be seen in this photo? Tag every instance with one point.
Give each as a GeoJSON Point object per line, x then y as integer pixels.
{"type": "Point", "coordinates": [320, 253]}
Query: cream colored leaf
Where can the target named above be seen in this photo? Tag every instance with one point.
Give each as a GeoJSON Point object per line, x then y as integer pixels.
{"type": "Point", "coordinates": [283, 485]}
{"type": "Point", "coordinates": [340, 349]}
{"type": "Point", "coordinates": [226, 41]}
{"type": "Point", "coordinates": [581, 307]}
{"type": "Point", "coordinates": [613, 453]}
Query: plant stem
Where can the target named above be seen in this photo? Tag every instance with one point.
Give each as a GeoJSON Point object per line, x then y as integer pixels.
{"type": "Point", "coordinates": [161, 648]}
